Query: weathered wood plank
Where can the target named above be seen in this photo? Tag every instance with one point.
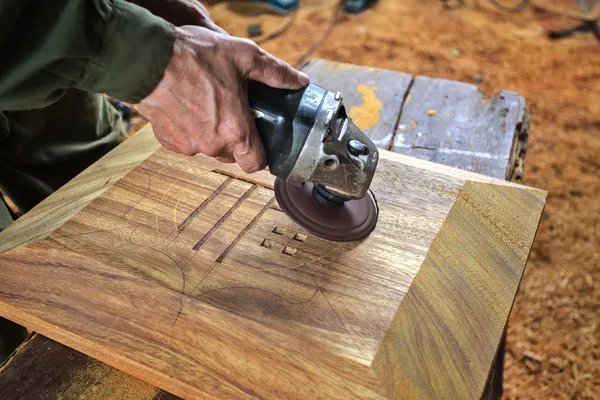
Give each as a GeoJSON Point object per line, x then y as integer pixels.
{"type": "Point", "coordinates": [316, 319]}
{"type": "Point", "coordinates": [68, 375]}
{"type": "Point", "coordinates": [373, 97]}
{"type": "Point", "coordinates": [453, 123]}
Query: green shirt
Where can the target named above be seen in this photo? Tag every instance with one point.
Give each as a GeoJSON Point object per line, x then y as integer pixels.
{"type": "Point", "coordinates": [101, 46]}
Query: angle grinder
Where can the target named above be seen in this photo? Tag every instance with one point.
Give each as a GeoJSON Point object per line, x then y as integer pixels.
{"type": "Point", "coordinates": [323, 162]}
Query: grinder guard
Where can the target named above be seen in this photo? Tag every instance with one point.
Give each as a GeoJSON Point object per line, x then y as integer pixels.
{"type": "Point", "coordinates": [308, 138]}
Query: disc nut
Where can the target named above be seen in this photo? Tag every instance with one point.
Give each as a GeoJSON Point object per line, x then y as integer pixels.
{"type": "Point", "coordinates": [357, 148]}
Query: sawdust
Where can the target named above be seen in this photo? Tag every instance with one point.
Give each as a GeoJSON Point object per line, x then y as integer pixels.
{"type": "Point", "coordinates": [366, 115]}
{"type": "Point", "coordinates": [555, 316]}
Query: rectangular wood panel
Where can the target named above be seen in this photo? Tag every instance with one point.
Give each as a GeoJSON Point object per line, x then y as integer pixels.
{"type": "Point", "coordinates": [185, 273]}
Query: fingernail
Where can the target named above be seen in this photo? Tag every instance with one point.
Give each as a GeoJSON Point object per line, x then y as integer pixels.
{"type": "Point", "coordinates": [304, 80]}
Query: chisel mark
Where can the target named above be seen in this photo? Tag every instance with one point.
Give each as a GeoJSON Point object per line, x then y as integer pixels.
{"type": "Point", "coordinates": [245, 230]}
{"type": "Point", "coordinates": [203, 205]}
{"type": "Point", "coordinates": [224, 218]}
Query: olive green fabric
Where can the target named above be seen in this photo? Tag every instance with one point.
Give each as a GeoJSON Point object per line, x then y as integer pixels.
{"type": "Point", "coordinates": [100, 46]}
{"type": "Point", "coordinates": [6, 217]}
{"type": "Point", "coordinates": [44, 148]}
{"type": "Point", "coordinates": [41, 150]}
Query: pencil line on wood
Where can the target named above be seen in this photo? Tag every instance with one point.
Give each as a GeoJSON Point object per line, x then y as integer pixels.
{"type": "Point", "coordinates": [240, 177]}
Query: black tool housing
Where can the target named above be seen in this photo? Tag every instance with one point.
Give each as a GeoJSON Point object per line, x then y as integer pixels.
{"type": "Point", "coordinates": [289, 115]}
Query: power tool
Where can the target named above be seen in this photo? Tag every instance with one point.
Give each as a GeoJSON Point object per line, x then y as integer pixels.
{"type": "Point", "coordinates": [323, 162]}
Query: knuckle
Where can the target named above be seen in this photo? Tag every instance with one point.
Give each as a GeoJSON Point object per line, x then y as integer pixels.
{"type": "Point", "coordinates": [248, 44]}
{"type": "Point", "coordinates": [248, 53]}
{"type": "Point", "coordinates": [211, 151]}
{"type": "Point", "coordinates": [252, 166]}
{"type": "Point", "coordinates": [238, 136]}
{"type": "Point", "coordinates": [246, 47]}
{"type": "Point", "coordinates": [281, 71]}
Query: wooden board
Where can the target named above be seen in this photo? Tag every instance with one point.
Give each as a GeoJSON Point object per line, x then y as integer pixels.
{"type": "Point", "coordinates": [73, 376]}
{"type": "Point", "coordinates": [373, 97]}
{"type": "Point", "coordinates": [78, 374]}
{"type": "Point", "coordinates": [251, 321]}
{"type": "Point", "coordinates": [454, 123]}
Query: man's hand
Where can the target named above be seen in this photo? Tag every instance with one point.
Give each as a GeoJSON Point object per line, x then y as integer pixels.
{"type": "Point", "coordinates": [201, 103]}
{"type": "Point", "coordinates": [180, 12]}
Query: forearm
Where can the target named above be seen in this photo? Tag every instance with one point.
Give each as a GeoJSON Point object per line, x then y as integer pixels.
{"type": "Point", "coordinates": [103, 46]}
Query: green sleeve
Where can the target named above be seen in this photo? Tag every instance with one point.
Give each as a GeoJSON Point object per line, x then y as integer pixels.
{"type": "Point", "coordinates": [101, 46]}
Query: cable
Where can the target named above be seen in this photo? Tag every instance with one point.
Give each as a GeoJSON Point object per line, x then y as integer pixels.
{"type": "Point", "coordinates": [514, 9]}
{"type": "Point", "coordinates": [585, 6]}
{"type": "Point", "coordinates": [334, 19]}
{"type": "Point", "coordinates": [291, 20]}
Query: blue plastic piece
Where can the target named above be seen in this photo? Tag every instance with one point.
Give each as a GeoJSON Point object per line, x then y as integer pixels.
{"type": "Point", "coordinates": [281, 6]}
{"type": "Point", "coordinates": [355, 6]}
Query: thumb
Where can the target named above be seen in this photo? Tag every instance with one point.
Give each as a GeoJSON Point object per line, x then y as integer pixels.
{"type": "Point", "coordinates": [258, 65]}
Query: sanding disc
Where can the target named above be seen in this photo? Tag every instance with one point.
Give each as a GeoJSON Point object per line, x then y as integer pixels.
{"type": "Point", "coordinates": [353, 220]}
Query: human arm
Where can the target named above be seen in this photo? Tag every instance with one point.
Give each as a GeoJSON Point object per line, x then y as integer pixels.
{"type": "Point", "coordinates": [47, 47]}
{"type": "Point", "coordinates": [189, 81]}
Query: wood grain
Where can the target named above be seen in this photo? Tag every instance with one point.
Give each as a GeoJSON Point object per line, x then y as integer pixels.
{"type": "Point", "coordinates": [484, 233]}
{"type": "Point", "coordinates": [77, 193]}
{"type": "Point", "coordinates": [373, 97]}
{"type": "Point", "coordinates": [68, 371]}
{"type": "Point", "coordinates": [73, 376]}
{"type": "Point", "coordinates": [455, 124]}
{"type": "Point", "coordinates": [238, 316]}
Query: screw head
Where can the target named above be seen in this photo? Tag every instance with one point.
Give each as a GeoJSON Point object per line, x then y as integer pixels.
{"type": "Point", "coordinates": [357, 148]}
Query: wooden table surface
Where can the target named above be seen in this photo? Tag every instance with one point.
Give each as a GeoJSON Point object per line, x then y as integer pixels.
{"type": "Point", "coordinates": [447, 122]}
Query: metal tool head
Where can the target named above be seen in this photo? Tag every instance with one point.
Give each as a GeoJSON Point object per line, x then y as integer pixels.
{"type": "Point", "coordinates": [346, 221]}
{"type": "Point", "coordinates": [336, 154]}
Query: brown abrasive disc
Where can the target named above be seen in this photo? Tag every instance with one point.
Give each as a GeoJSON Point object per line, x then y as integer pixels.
{"type": "Point", "coordinates": [353, 220]}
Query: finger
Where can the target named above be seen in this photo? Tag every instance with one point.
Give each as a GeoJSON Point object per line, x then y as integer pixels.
{"type": "Point", "coordinates": [215, 28]}
{"type": "Point", "coordinates": [226, 159]}
{"type": "Point", "coordinates": [168, 133]}
{"type": "Point", "coordinates": [258, 65]}
{"type": "Point", "coordinates": [250, 153]}
{"type": "Point", "coordinates": [250, 157]}
{"type": "Point", "coordinates": [165, 140]}
{"type": "Point", "coordinates": [205, 19]}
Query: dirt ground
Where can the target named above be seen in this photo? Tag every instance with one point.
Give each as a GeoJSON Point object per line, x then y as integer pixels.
{"type": "Point", "coordinates": [554, 331]}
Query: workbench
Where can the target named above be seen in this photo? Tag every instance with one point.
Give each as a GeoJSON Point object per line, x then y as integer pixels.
{"type": "Point", "coordinates": [451, 123]}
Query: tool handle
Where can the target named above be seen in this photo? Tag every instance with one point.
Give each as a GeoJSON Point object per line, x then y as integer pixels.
{"type": "Point", "coordinates": [283, 119]}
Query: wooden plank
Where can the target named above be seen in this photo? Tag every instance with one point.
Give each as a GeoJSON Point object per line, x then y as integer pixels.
{"type": "Point", "coordinates": [78, 192]}
{"type": "Point", "coordinates": [453, 123]}
{"type": "Point", "coordinates": [373, 97]}
{"type": "Point", "coordinates": [71, 375]}
{"type": "Point", "coordinates": [441, 296]}
{"type": "Point", "coordinates": [316, 320]}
